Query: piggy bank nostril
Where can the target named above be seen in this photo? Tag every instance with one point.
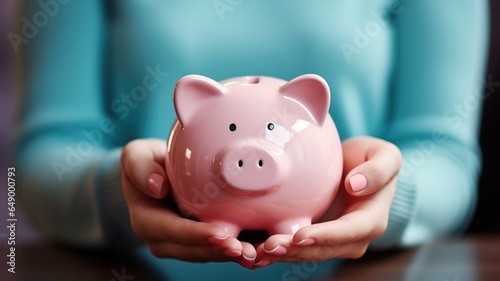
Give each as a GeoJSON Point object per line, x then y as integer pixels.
{"type": "Point", "coordinates": [260, 163]}
{"type": "Point", "coordinates": [240, 163]}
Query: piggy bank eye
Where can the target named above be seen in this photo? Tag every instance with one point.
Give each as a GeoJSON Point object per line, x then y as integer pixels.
{"type": "Point", "coordinates": [232, 127]}
{"type": "Point", "coordinates": [270, 126]}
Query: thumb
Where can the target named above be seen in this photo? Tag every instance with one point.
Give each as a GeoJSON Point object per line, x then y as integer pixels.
{"type": "Point", "coordinates": [372, 164]}
{"type": "Point", "coordinates": [143, 164]}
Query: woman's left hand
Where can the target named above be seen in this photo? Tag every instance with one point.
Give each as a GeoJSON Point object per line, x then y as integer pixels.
{"type": "Point", "coordinates": [358, 214]}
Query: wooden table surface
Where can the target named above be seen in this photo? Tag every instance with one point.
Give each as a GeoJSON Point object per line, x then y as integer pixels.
{"type": "Point", "coordinates": [454, 259]}
{"type": "Point", "coordinates": [459, 259]}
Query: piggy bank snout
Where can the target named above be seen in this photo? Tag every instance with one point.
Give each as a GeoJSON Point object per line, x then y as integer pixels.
{"type": "Point", "coordinates": [250, 167]}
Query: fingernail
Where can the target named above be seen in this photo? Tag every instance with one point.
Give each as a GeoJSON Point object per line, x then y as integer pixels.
{"type": "Point", "coordinates": [358, 182]}
{"type": "Point", "coordinates": [262, 263]}
{"type": "Point", "coordinates": [217, 239]}
{"type": "Point", "coordinates": [232, 253]}
{"type": "Point", "coordinates": [246, 261]}
{"type": "Point", "coordinates": [247, 258]}
{"type": "Point", "coordinates": [278, 250]}
{"type": "Point", "coordinates": [305, 242]}
{"type": "Point", "coordinates": [155, 183]}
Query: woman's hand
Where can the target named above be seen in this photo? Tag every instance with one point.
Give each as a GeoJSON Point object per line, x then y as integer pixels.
{"type": "Point", "coordinates": [358, 214]}
{"type": "Point", "coordinates": [166, 233]}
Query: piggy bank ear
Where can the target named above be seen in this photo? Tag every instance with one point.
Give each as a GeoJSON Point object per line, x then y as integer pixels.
{"type": "Point", "coordinates": [312, 92]}
{"type": "Point", "coordinates": [190, 94]}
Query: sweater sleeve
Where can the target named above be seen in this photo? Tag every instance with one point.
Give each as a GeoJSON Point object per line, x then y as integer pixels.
{"type": "Point", "coordinates": [439, 81]}
{"type": "Point", "coordinates": [68, 151]}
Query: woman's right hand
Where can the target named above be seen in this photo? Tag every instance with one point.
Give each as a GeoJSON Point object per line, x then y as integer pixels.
{"type": "Point", "coordinates": [167, 234]}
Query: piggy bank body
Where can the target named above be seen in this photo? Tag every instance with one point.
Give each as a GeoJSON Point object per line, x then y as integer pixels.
{"type": "Point", "coordinates": [254, 153]}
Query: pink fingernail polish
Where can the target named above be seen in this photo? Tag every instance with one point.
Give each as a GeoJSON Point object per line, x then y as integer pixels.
{"type": "Point", "coordinates": [216, 240]}
{"type": "Point", "coordinates": [248, 259]}
{"type": "Point", "coordinates": [155, 183]}
{"type": "Point", "coordinates": [305, 242]}
{"type": "Point", "coordinates": [278, 250]}
{"type": "Point", "coordinates": [358, 182]}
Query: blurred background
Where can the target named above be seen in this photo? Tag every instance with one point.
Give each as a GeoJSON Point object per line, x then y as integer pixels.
{"type": "Point", "coordinates": [486, 218]}
{"type": "Point", "coordinates": [8, 98]}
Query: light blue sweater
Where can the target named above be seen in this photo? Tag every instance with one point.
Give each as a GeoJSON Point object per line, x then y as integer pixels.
{"type": "Point", "coordinates": [101, 73]}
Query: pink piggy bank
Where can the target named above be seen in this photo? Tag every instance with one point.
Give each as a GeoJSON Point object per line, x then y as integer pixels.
{"type": "Point", "coordinates": [254, 153]}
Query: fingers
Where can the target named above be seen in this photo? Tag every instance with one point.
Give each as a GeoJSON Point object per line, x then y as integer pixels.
{"type": "Point", "coordinates": [200, 253]}
{"type": "Point", "coordinates": [249, 254]}
{"type": "Point", "coordinates": [316, 253]}
{"type": "Point", "coordinates": [371, 164]}
{"type": "Point", "coordinates": [309, 253]}
{"type": "Point", "coordinates": [366, 218]}
{"type": "Point", "coordinates": [153, 220]}
{"type": "Point", "coordinates": [169, 235]}
{"type": "Point", "coordinates": [371, 168]}
{"type": "Point", "coordinates": [166, 233]}
{"type": "Point", "coordinates": [196, 253]}
{"type": "Point", "coordinates": [143, 164]}
{"type": "Point", "coordinates": [276, 244]}
{"type": "Point", "coordinates": [350, 228]}
{"type": "Point", "coordinates": [347, 237]}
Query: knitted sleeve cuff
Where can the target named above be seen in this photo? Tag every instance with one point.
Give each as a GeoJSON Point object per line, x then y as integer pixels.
{"type": "Point", "coordinates": [400, 214]}
{"type": "Point", "coordinates": [113, 210]}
